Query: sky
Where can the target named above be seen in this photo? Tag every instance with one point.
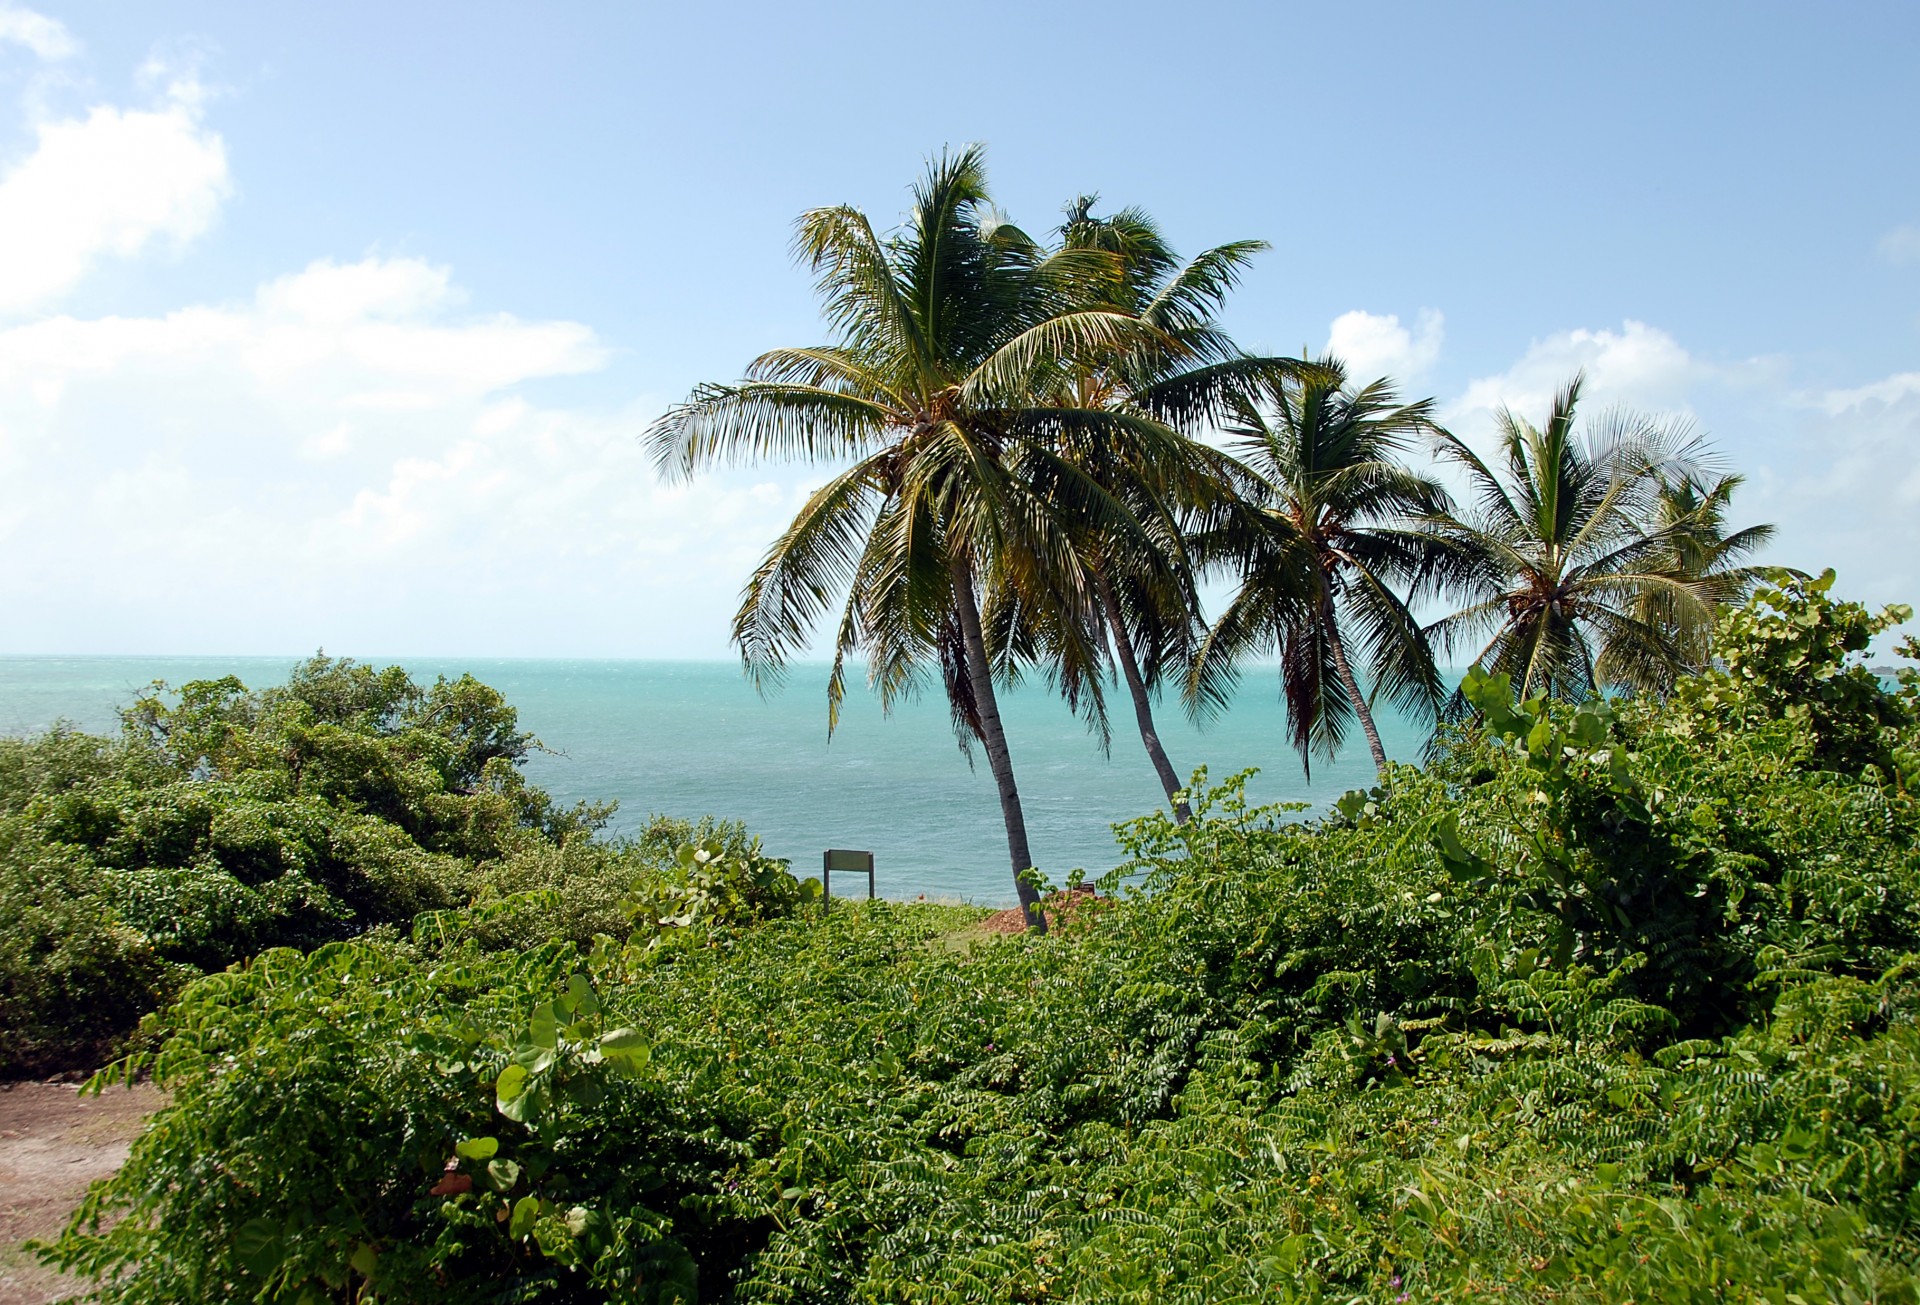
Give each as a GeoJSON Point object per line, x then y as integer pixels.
{"type": "Point", "coordinates": [338, 325]}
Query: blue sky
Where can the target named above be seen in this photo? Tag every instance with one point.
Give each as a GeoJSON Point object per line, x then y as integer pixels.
{"type": "Point", "coordinates": [336, 325]}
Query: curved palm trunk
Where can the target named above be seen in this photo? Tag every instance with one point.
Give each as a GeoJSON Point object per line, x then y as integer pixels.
{"type": "Point", "coordinates": [1142, 706]}
{"type": "Point", "coordinates": [1339, 650]}
{"type": "Point", "coordinates": [993, 737]}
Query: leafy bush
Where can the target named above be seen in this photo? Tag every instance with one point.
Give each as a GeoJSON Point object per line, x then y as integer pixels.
{"type": "Point", "coordinates": [1617, 1003]}
{"type": "Point", "coordinates": [225, 822]}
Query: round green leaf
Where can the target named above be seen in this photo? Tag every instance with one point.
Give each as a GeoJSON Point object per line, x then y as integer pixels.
{"type": "Point", "coordinates": [581, 991]}
{"type": "Point", "coordinates": [627, 1048]}
{"type": "Point", "coordinates": [365, 1261]}
{"type": "Point", "coordinates": [545, 1025]}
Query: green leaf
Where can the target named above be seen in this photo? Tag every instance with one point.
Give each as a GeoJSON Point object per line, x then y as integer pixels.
{"type": "Point", "coordinates": [502, 1175]}
{"type": "Point", "coordinates": [511, 1084]}
{"type": "Point", "coordinates": [477, 1148]}
{"type": "Point", "coordinates": [545, 1026]}
{"type": "Point", "coordinates": [365, 1260]}
{"type": "Point", "coordinates": [525, 1211]}
{"type": "Point", "coordinates": [527, 1107]}
{"type": "Point", "coordinates": [584, 1000]}
{"type": "Point", "coordinates": [627, 1048]}
{"type": "Point", "coordinates": [257, 1246]}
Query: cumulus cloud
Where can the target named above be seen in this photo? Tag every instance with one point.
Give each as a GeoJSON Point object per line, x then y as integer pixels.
{"type": "Point", "coordinates": [1373, 346]}
{"type": "Point", "coordinates": [1638, 365]}
{"type": "Point", "coordinates": [348, 458]}
{"type": "Point", "coordinates": [45, 36]}
{"type": "Point", "coordinates": [111, 184]}
{"type": "Point", "coordinates": [1901, 245]}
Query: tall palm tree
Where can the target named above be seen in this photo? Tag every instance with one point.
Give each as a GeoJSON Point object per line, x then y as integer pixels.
{"type": "Point", "coordinates": [1174, 379]}
{"type": "Point", "coordinates": [1324, 552]}
{"type": "Point", "coordinates": [945, 332]}
{"type": "Point", "coordinates": [1565, 570]}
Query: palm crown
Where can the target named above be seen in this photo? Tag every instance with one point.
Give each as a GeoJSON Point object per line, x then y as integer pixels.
{"type": "Point", "coordinates": [1322, 548]}
{"type": "Point", "coordinates": [1568, 572]}
{"type": "Point", "coordinates": [953, 339]}
{"type": "Point", "coordinates": [1166, 382]}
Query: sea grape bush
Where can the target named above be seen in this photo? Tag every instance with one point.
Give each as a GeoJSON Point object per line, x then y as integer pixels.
{"type": "Point", "coordinates": [1609, 1003]}
{"type": "Point", "coordinates": [224, 822]}
{"type": "Point", "coordinates": [711, 882]}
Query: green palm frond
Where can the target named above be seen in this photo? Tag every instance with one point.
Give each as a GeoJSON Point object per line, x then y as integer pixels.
{"type": "Point", "coordinates": [758, 420]}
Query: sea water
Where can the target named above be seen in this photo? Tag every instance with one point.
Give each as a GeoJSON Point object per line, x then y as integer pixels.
{"type": "Point", "coordinates": [695, 738]}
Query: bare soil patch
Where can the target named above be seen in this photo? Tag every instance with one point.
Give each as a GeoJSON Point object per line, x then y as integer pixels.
{"type": "Point", "coordinates": [1063, 908]}
{"type": "Point", "coordinates": [53, 1142]}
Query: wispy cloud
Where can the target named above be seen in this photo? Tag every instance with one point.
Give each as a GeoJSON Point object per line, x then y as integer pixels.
{"type": "Point", "coordinates": [346, 458]}
{"type": "Point", "coordinates": [46, 37]}
{"type": "Point", "coordinates": [1901, 245]}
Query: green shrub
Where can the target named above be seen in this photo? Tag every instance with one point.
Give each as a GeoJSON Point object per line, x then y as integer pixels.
{"type": "Point", "coordinates": [1615, 1003]}
{"type": "Point", "coordinates": [224, 822]}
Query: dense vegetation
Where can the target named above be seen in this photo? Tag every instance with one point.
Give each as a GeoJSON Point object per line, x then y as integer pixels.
{"type": "Point", "coordinates": [1615, 1002]}
{"type": "Point", "coordinates": [224, 822]}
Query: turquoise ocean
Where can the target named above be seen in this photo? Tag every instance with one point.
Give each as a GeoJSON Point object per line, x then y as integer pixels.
{"type": "Point", "coordinates": [693, 738]}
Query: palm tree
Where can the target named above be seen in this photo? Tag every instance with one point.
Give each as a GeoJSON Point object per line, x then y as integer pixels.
{"type": "Point", "coordinates": [1172, 380]}
{"type": "Point", "coordinates": [1324, 553]}
{"type": "Point", "coordinates": [956, 489]}
{"type": "Point", "coordinates": [1564, 565]}
{"type": "Point", "coordinates": [1690, 511]}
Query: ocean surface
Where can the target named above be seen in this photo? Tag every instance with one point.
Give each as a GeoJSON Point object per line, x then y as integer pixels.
{"type": "Point", "coordinates": [692, 738]}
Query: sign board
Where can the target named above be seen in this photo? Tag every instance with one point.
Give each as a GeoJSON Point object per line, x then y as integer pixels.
{"type": "Point", "coordinates": [846, 862]}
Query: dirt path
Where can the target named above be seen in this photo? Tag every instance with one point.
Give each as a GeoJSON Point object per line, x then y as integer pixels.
{"type": "Point", "coordinates": [53, 1142]}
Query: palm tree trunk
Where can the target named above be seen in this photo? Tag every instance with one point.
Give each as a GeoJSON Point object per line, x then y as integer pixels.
{"type": "Point", "coordinates": [1142, 707]}
{"type": "Point", "coordinates": [1331, 620]}
{"type": "Point", "coordinates": [993, 736]}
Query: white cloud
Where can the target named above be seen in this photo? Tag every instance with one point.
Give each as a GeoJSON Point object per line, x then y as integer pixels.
{"type": "Point", "coordinates": [45, 36]}
{"type": "Point", "coordinates": [1901, 245]}
{"type": "Point", "coordinates": [1844, 483]}
{"type": "Point", "coordinates": [1888, 391]}
{"type": "Point", "coordinates": [1640, 366]}
{"type": "Point", "coordinates": [343, 460]}
{"type": "Point", "coordinates": [369, 336]}
{"type": "Point", "coordinates": [107, 185]}
{"type": "Point", "coordinates": [1373, 346]}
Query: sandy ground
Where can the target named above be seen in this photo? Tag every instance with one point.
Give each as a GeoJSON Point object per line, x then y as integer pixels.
{"type": "Point", "coordinates": [53, 1142]}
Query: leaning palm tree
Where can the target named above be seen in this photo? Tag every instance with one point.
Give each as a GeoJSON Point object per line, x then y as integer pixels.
{"type": "Point", "coordinates": [1569, 580]}
{"type": "Point", "coordinates": [1324, 554]}
{"type": "Point", "coordinates": [945, 333]}
{"type": "Point", "coordinates": [1173, 380]}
